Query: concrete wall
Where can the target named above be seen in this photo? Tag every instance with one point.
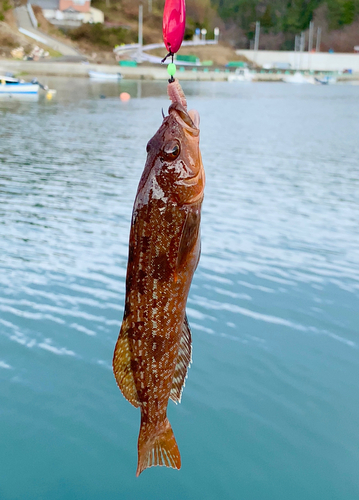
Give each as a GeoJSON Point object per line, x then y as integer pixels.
{"type": "Point", "coordinates": [317, 61]}
{"type": "Point", "coordinates": [94, 16]}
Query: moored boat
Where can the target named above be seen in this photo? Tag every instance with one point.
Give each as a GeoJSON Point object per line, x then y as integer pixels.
{"type": "Point", "coordinates": [98, 75]}
{"type": "Point", "coordinates": [325, 80]}
{"type": "Point", "coordinates": [10, 85]}
{"type": "Point", "coordinates": [299, 78]}
{"type": "Point", "coordinates": [240, 75]}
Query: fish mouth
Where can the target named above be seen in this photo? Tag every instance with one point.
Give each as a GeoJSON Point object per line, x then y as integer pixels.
{"type": "Point", "coordinates": [189, 120]}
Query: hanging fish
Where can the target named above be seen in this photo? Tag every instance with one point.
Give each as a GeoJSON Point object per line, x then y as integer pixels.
{"type": "Point", "coordinates": [173, 25]}
{"type": "Point", "coordinates": [153, 351]}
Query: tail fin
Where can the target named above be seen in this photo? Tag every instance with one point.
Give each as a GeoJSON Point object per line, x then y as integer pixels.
{"type": "Point", "coordinates": [157, 446]}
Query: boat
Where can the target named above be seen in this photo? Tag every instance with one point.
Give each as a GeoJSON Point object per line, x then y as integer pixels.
{"type": "Point", "coordinates": [98, 75]}
{"type": "Point", "coordinates": [10, 85]}
{"type": "Point", "coordinates": [240, 75]}
{"type": "Point", "coordinates": [299, 78]}
{"type": "Point", "coordinates": [326, 80]}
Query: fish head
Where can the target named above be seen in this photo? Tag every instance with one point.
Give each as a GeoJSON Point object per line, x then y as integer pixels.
{"type": "Point", "coordinates": [174, 170]}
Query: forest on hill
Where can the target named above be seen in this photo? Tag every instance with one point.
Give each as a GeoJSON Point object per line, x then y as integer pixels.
{"type": "Point", "coordinates": [280, 20]}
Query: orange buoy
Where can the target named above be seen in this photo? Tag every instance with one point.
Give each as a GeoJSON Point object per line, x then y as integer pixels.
{"type": "Point", "coordinates": [125, 96]}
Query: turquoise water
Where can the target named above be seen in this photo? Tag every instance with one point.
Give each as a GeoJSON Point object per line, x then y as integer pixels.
{"type": "Point", "coordinates": [270, 410]}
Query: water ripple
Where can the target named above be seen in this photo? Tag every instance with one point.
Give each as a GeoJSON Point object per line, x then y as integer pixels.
{"type": "Point", "coordinates": [273, 307]}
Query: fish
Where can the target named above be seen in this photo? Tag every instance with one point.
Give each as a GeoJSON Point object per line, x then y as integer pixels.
{"type": "Point", "coordinates": [154, 348]}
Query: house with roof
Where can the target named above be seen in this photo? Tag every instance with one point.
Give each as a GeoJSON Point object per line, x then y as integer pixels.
{"type": "Point", "coordinates": [69, 13]}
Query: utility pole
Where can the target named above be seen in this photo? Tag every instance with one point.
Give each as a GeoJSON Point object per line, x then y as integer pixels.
{"type": "Point", "coordinates": [301, 48]}
{"type": "Point", "coordinates": [302, 41]}
{"type": "Point", "coordinates": [140, 25]}
{"type": "Point", "coordinates": [140, 33]}
{"type": "Point", "coordinates": [256, 36]}
{"type": "Point", "coordinates": [256, 41]}
{"type": "Point", "coordinates": [296, 51]}
{"type": "Point", "coordinates": [319, 34]}
{"type": "Point", "coordinates": [311, 32]}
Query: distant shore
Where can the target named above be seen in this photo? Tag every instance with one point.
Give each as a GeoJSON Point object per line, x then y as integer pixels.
{"type": "Point", "coordinates": [140, 72]}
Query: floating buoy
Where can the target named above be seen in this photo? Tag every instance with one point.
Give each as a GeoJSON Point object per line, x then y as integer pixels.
{"type": "Point", "coordinates": [125, 96]}
{"type": "Point", "coordinates": [49, 93]}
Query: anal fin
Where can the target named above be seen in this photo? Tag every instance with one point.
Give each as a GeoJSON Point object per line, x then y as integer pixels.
{"type": "Point", "coordinates": [184, 359]}
{"type": "Point", "coordinates": [122, 367]}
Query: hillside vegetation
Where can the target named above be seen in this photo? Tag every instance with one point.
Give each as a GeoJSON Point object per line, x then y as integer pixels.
{"type": "Point", "coordinates": [280, 21]}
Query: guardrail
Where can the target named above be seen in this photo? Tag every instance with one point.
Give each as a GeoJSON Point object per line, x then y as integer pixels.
{"type": "Point", "coordinates": [33, 35]}
{"type": "Point", "coordinates": [31, 14]}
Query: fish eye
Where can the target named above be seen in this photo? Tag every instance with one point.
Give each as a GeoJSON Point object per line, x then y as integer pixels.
{"type": "Point", "coordinates": [171, 150]}
{"type": "Point", "coordinates": [148, 147]}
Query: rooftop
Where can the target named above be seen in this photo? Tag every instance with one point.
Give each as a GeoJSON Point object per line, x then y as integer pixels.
{"type": "Point", "coordinates": [46, 4]}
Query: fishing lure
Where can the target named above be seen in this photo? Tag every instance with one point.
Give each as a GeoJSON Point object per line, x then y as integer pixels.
{"type": "Point", "coordinates": [173, 27]}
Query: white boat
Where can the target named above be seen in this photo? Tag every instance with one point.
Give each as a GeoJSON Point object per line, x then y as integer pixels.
{"type": "Point", "coordinates": [326, 80]}
{"type": "Point", "coordinates": [10, 85]}
{"type": "Point", "coordinates": [298, 77]}
{"type": "Point", "coordinates": [98, 75]}
{"type": "Point", "coordinates": [240, 75]}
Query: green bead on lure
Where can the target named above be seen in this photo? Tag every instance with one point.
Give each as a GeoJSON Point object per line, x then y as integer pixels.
{"type": "Point", "coordinates": [171, 69]}
{"type": "Point", "coordinates": [173, 28]}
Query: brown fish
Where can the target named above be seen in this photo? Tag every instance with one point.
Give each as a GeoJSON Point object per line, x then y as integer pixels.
{"type": "Point", "coordinates": [153, 351]}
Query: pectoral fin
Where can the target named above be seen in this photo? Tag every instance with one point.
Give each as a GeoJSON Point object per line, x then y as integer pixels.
{"type": "Point", "coordinates": [190, 235]}
{"type": "Point", "coordinates": [183, 361]}
{"type": "Point", "coordinates": [122, 368]}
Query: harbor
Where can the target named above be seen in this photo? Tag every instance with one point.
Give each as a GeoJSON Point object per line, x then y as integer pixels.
{"type": "Point", "coordinates": [149, 72]}
{"type": "Point", "coordinates": [179, 224]}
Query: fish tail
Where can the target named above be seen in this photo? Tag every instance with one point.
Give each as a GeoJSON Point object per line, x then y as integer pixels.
{"type": "Point", "coordinates": [157, 446]}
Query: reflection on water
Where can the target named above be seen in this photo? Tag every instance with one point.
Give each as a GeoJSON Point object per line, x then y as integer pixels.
{"type": "Point", "coordinates": [270, 408]}
{"type": "Point", "coordinates": [8, 98]}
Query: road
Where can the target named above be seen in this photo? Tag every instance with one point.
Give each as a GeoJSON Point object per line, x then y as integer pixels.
{"type": "Point", "coordinates": [25, 26]}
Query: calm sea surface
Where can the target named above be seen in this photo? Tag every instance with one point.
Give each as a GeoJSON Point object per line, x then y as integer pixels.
{"type": "Point", "coordinates": [271, 406]}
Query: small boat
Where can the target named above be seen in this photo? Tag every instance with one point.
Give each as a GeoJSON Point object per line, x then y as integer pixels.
{"type": "Point", "coordinates": [240, 75]}
{"type": "Point", "coordinates": [326, 80]}
{"type": "Point", "coordinates": [299, 78]}
{"type": "Point", "coordinates": [98, 75]}
{"type": "Point", "coordinates": [10, 85]}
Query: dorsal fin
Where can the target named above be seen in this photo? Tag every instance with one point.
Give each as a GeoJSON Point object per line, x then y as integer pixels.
{"type": "Point", "coordinates": [184, 359]}
{"type": "Point", "coordinates": [122, 368]}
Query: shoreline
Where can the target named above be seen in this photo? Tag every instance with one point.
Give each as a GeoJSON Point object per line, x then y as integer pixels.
{"type": "Point", "coordinates": [78, 69]}
{"type": "Point", "coordinates": [141, 72]}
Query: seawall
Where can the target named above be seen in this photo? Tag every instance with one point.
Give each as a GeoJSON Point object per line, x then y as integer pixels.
{"type": "Point", "coordinates": [311, 61]}
{"type": "Point", "coordinates": [144, 72]}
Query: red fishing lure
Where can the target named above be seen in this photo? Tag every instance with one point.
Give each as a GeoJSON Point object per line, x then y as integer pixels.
{"type": "Point", "coordinates": [174, 21]}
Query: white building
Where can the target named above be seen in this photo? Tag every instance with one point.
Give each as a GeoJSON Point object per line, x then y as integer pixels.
{"type": "Point", "coordinates": [71, 13]}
